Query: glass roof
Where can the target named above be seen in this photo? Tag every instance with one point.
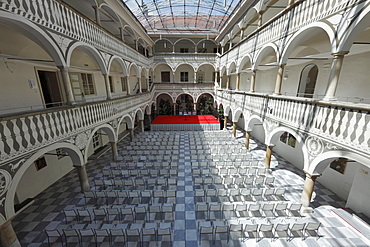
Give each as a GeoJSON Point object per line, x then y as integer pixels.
{"type": "Point", "coordinates": [182, 15]}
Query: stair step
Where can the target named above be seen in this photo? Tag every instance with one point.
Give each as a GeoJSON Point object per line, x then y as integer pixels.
{"type": "Point", "coordinates": [354, 221]}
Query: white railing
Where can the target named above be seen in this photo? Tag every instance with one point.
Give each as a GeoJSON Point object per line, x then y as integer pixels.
{"type": "Point", "coordinates": [23, 134]}
{"type": "Point", "coordinates": [299, 16]}
{"type": "Point", "coordinates": [62, 19]}
{"type": "Point", "coordinates": [343, 124]}
{"type": "Point", "coordinates": [188, 58]}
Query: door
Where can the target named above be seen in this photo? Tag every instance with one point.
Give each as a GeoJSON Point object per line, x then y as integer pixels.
{"type": "Point", "coordinates": [165, 76]}
{"type": "Point", "coordinates": [78, 92]}
{"type": "Point", "coordinates": [50, 88]}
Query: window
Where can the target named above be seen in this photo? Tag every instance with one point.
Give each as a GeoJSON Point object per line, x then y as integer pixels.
{"type": "Point", "coordinates": [184, 76]}
{"type": "Point", "coordinates": [88, 84]}
{"type": "Point", "coordinates": [200, 77]}
{"type": "Point", "coordinates": [40, 163]}
{"type": "Point", "coordinates": [184, 50]}
{"type": "Point", "coordinates": [123, 84]}
{"type": "Point", "coordinates": [111, 84]}
{"type": "Point", "coordinates": [61, 153]}
{"type": "Point", "coordinates": [96, 140]}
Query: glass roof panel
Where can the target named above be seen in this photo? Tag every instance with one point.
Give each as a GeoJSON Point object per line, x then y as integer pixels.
{"type": "Point", "coordinates": [196, 15]}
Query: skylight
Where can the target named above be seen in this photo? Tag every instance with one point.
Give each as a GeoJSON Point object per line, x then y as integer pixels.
{"type": "Point", "coordinates": [182, 15]}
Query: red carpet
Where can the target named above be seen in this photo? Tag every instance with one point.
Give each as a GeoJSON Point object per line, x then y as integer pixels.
{"type": "Point", "coordinates": [185, 119]}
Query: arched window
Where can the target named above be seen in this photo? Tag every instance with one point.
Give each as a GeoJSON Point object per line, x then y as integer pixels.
{"type": "Point", "coordinates": [308, 81]}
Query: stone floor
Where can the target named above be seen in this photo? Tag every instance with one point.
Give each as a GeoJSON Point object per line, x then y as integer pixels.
{"type": "Point", "coordinates": [47, 210]}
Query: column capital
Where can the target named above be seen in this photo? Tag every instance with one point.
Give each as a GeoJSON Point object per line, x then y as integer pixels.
{"type": "Point", "coordinates": [312, 176]}
{"type": "Point", "coordinates": [339, 54]}
{"type": "Point", "coordinates": [270, 145]}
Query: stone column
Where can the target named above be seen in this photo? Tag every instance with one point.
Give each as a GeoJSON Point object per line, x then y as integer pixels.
{"type": "Point", "coordinates": [225, 122]}
{"type": "Point", "coordinates": [260, 14]}
{"type": "Point", "coordinates": [237, 82]}
{"type": "Point", "coordinates": [139, 82]}
{"type": "Point", "coordinates": [268, 155]}
{"type": "Point", "coordinates": [132, 134]}
{"type": "Point", "coordinates": [308, 188]}
{"type": "Point", "coordinates": [279, 79]}
{"type": "Point", "coordinates": [67, 85]}
{"type": "Point", "coordinates": [228, 82]}
{"type": "Point", "coordinates": [8, 238]}
{"type": "Point", "coordinates": [241, 34]}
{"type": "Point", "coordinates": [216, 76]}
{"type": "Point", "coordinates": [174, 108]}
{"type": "Point", "coordinates": [195, 108]}
{"type": "Point", "coordinates": [230, 45]}
{"type": "Point", "coordinates": [121, 34]}
{"type": "Point", "coordinates": [141, 126]}
{"type": "Point", "coordinates": [114, 150]}
{"type": "Point", "coordinates": [336, 67]}
{"type": "Point", "coordinates": [128, 88]}
{"type": "Point", "coordinates": [222, 49]}
{"type": "Point", "coordinates": [84, 182]}
{"type": "Point", "coordinates": [253, 81]}
{"type": "Point", "coordinates": [234, 129]}
{"type": "Point", "coordinates": [97, 15]}
{"type": "Point", "coordinates": [291, 2]}
{"type": "Point", "coordinates": [107, 86]}
{"type": "Point", "coordinates": [247, 137]}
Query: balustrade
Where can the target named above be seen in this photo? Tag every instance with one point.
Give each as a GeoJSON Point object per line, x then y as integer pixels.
{"type": "Point", "coordinates": [289, 21]}
{"type": "Point", "coordinates": [64, 20]}
{"type": "Point", "coordinates": [346, 125]}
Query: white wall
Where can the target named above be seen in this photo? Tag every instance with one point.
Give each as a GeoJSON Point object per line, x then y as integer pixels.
{"type": "Point", "coordinates": [359, 196]}
{"type": "Point", "coordinates": [185, 68]}
{"type": "Point", "coordinates": [258, 133]}
{"type": "Point", "coordinates": [293, 155]}
{"type": "Point", "coordinates": [245, 82]}
{"type": "Point", "coordinates": [265, 81]}
{"type": "Point", "coordinates": [34, 182]}
{"type": "Point", "coordinates": [339, 183]}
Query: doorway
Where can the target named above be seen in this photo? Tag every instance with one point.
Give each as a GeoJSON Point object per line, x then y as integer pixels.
{"type": "Point", "coordinates": [165, 76]}
{"type": "Point", "coordinates": [50, 88]}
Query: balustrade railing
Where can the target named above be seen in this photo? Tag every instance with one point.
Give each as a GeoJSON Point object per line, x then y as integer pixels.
{"type": "Point", "coordinates": [345, 124]}
{"type": "Point", "coordinates": [64, 20]}
{"type": "Point", "coordinates": [25, 133]}
{"type": "Point", "coordinates": [300, 15]}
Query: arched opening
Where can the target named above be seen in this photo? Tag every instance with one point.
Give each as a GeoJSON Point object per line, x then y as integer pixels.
{"type": "Point", "coordinates": [184, 46]}
{"type": "Point", "coordinates": [184, 73]}
{"type": "Point", "coordinates": [307, 83]}
{"type": "Point", "coordinates": [205, 105]}
{"type": "Point", "coordinates": [163, 46]}
{"type": "Point", "coordinates": [245, 74]}
{"type": "Point", "coordinates": [184, 105]}
{"type": "Point", "coordinates": [117, 78]}
{"type": "Point", "coordinates": [164, 105]}
{"type": "Point", "coordinates": [233, 76]}
{"type": "Point", "coordinates": [133, 80]}
{"type": "Point", "coordinates": [205, 74]}
{"type": "Point", "coordinates": [267, 66]}
{"type": "Point", "coordinates": [221, 116]}
{"type": "Point", "coordinates": [206, 46]}
{"type": "Point", "coordinates": [163, 73]}
{"type": "Point", "coordinates": [144, 81]}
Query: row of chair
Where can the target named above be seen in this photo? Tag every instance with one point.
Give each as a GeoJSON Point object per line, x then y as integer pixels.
{"type": "Point", "coordinates": [148, 182]}
{"type": "Point", "coordinates": [223, 171]}
{"type": "Point", "coordinates": [154, 147]}
{"type": "Point", "coordinates": [119, 214]}
{"type": "Point", "coordinates": [233, 182]}
{"type": "Point", "coordinates": [258, 231]}
{"type": "Point", "coordinates": [245, 210]}
{"type": "Point", "coordinates": [242, 194]}
{"type": "Point", "coordinates": [144, 158]}
{"type": "Point", "coordinates": [143, 165]}
{"type": "Point", "coordinates": [112, 173]}
{"type": "Point", "coordinates": [144, 150]}
{"type": "Point", "coordinates": [138, 231]}
{"type": "Point", "coordinates": [120, 196]}
{"type": "Point", "coordinates": [240, 163]}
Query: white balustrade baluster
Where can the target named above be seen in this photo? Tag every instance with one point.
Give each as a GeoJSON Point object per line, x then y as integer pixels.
{"type": "Point", "coordinates": [366, 142]}
{"type": "Point", "coordinates": [351, 127]}
{"type": "Point", "coordinates": [47, 127]}
{"type": "Point", "coordinates": [41, 11]}
{"type": "Point", "coordinates": [7, 144]}
{"type": "Point", "coordinates": [18, 137]}
{"type": "Point", "coordinates": [52, 125]}
{"type": "Point", "coordinates": [329, 121]}
{"type": "Point", "coordinates": [359, 128]}
{"type": "Point", "coordinates": [335, 132]}
{"type": "Point", "coordinates": [26, 132]}
{"type": "Point", "coordinates": [63, 123]}
{"type": "Point", "coordinates": [40, 127]}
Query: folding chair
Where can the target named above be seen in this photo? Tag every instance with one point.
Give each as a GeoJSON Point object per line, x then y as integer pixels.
{"type": "Point", "coordinates": [89, 195]}
{"type": "Point", "coordinates": [53, 234]}
{"type": "Point", "coordinates": [82, 214]}
{"type": "Point", "coordinates": [220, 227]}
{"type": "Point", "coordinates": [164, 229]}
{"type": "Point", "coordinates": [252, 231]}
{"type": "Point", "coordinates": [102, 233]}
{"type": "Point", "coordinates": [268, 210]}
{"type": "Point", "coordinates": [297, 230]}
{"type": "Point", "coordinates": [201, 208]}
{"type": "Point", "coordinates": [154, 208]}
{"type": "Point", "coordinates": [99, 214]}
{"type": "Point", "coordinates": [168, 208]}
{"type": "Point", "coordinates": [312, 229]}
{"type": "Point", "coordinates": [140, 210]}
{"type": "Point", "coordinates": [236, 227]}
{"type": "Point", "coordinates": [294, 209]}
{"type": "Point", "coordinates": [69, 214]}
{"type": "Point", "coordinates": [281, 230]}
{"type": "Point", "coordinates": [113, 212]}
{"type": "Point", "coordinates": [241, 209]}
{"type": "Point", "coordinates": [128, 210]}
{"type": "Point", "coordinates": [149, 229]}
{"type": "Point", "coordinates": [228, 210]}
{"type": "Point", "coordinates": [71, 233]}
{"type": "Point", "coordinates": [86, 235]}
{"type": "Point", "coordinates": [204, 227]}
{"type": "Point", "coordinates": [215, 207]}
{"type": "Point", "coordinates": [116, 235]}
{"type": "Point", "coordinates": [266, 229]}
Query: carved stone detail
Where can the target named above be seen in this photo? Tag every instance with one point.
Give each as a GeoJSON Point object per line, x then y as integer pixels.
{"type": "Point", "coordinates": [81, 140]}
{"type": "Point", "coordinates": [5, 179]}
{"type": "Point", "coordinates": [314, 145]}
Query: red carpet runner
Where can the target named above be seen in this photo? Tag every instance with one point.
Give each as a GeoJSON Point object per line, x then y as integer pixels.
{"type": "Point", "coordinates": [185, 122]}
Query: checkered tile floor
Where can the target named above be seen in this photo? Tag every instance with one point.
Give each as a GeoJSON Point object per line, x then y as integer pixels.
{"type": "Point", "coordinates": [47, 210]}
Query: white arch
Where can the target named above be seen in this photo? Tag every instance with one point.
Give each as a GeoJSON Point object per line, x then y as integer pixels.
{"type": "Point", "coordinates": [89, 50]}
{"type": "Point", "coordinates": [130, 31]}
{"type": "Point", "coordinates": [117, 16]}
{"type": "Point", "coordinates": [357, 26]}
{"type": "Point", "coordinates": [36, 34]}
{"type": "Point", "coordinates": [223, 70]}
{"type": "Point", "coordinates": [227, 109]}
{"type": "Point", "coordinates": [160, 39]}
{"type": "Point", "coordinates": [73, 152]}
{"type": "Point", "coordinates": [156, 97]}
{"type": "Point", "coordinates": [252, 120]}
{"type": "Point", "coordinates": [236, 114]}
{"type": "Point", "coordinates": [266, 49]}
{"type": "Point", "coordinates": [120, 62]}
{"type": "Point", "coordinates": [140, 114]}
{"type": "Point", "coordinates": [301, 35]}
{"type": "Point", "coordinates": [315, 167]}
{"type": "Point", "coordinates": [111, 133]}
{"type": "Point", "coordinates": [247, 58]}
{"type": "Point", "coordinates": [184, 64]}
{"type": "Point", "coordinates": [136, 68]}
{"type": "Point", "coordinates": [155, 67]}
{"type": "Point", "coordinates": [183, 93]}
{"type": "Point", "coordinates": [211, 40]}
{"type": "Point", "coordinates": [177, 41]}
{"type": "Point", "coordinates": [231, 67]}
{"type": "Point", "coordinates": [205, 63]}
{"type": "Point", "coordinates": [130, 123]}
{"type": "Point", "coordinates": [197, 97]}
